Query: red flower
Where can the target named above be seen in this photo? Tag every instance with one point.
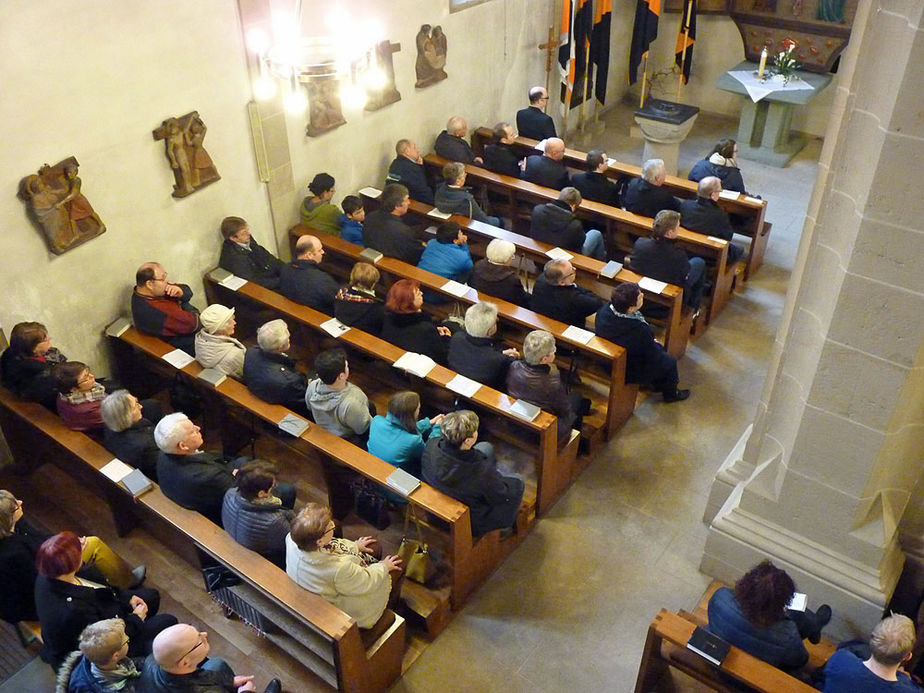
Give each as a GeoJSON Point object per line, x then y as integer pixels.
{"type": "Point", "coordinates": [789, 44]}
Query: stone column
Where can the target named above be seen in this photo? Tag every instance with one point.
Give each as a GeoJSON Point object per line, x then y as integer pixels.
{"type": "Point", "coordinates": [821, 480]}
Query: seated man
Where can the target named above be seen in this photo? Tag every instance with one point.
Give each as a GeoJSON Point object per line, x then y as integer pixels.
{"type": "Point", "coordinates": [473, 353]}
{"type": "Point", "coordinates": [455, 463]}
{"type": "Point", "coordinates": [451, 143]}
{"type": "Point", "coordinates": [555, 294]}
{"type": "Point", "coordinates": [384, 231]}
{"type": "Point", "coordinates": [500, 156]}
{"type": "Point", "coordinates": [531, 121]}
{"type": "Point", "coordinates": [408, 170]}
{"type": "Point", "coordinates": [556, 224]}
{"type": "Point", "coordinates": [547, 169]}
{"type": "Point", "coordinates": [704, 215]}
{"type": "Point", "coordinates": [647, 195]}
{"type": "Point", "coordinates": [243, 256]}
{"type": "Point", "coordinates": [180, 663]}
{"type": "Point", "coordinates": [101, 663]}
{"type": "Point", "coordinates": [657, 257]}
{"type": "Point", "coordinates": [494, 275]}
{"type": "Point", "coordinates": [270, 373]}
{"type": "Point", "coordinates": [164, 309]}
{"type": "Point", "coordinates": [891, 645]}
{"type": "Point", "coordinates": [254, 514]}
{"type": "Point", "coordinates": [447, 255]}
{"type": "Point", "coordinates": [338, 405]}
{"type": "Point", "coordinates": [452, 197]}
{"type": "Point", "coordinates": [351, 221]}
{"type": "Point", "coordinates": [303, 281]}
{"type": "Point", "coordinates": [593, 183]}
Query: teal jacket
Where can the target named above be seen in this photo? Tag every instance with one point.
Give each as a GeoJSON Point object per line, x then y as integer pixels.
{"type": "Point", "coordinates": [390, 441]}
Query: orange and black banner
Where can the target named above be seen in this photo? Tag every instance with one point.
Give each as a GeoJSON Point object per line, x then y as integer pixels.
{"type": "Point", "coordinates": [685, 39]}
{"type": "Point", "coordinates": [566, 55]}
{"type": "Point", "coordinates": [647, 13]}
{"type": "Point", "coordinates": [600, 46]}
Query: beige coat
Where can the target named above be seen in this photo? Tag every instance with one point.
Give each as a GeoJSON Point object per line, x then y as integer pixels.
{"type": "Point", "coordinates": [225, 354]}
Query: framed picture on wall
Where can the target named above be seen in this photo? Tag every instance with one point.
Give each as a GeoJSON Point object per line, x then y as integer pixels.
{"type": "Point", "coordinates": [702, 6]}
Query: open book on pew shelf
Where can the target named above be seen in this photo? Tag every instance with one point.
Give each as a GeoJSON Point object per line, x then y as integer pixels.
{"type": "Point", "coordinates": [233, 282]}
{"type": "Point", "coordinates": [371, 254]}
{"type": "Point", "coordinates": [708, 645]}
{"type": "Point", "coordinates": [456, 288]}
{"type": "Point", "coordinates": [118, 327]}
{"type": "Point", "coordinates": [578, 334]}
{"type": "Point", "coordinates": [402, 482]}
{"type": "Point", "coordinates": [418, 364]}
{"type": "Point", "coordinates": [611, 269]}
{"type": "Point", "coordinates": [137, 483]}
{"type": "Point", "coordinates": [524, 409]}
{"type": "Point", "coordinates": [438, 214]}
{"type": "Point", "coordinates": [212, 376]}
{"type": "Point", "coordinates": [178, 358]}
{"type": "Point", "coordinates": [293, 425]}
{"type": "Point", "coordinates": [116, 470]}
{"type": "Point", "coordinates": [652, 285]}
{"type": "Point", "coordinates": [559, 254]}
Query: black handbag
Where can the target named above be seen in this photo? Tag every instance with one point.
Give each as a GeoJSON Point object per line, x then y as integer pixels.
{"type": "Point", "coordinates": [370, 504]}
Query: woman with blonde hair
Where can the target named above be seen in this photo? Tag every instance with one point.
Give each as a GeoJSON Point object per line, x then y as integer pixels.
{"type": "Point", "coordinates": [357, 305]}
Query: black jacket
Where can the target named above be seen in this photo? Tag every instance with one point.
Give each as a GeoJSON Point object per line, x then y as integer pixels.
{"type": "Point", "coordinates": [502, 158]}
{"type": "Point", "coordinates": [554, 223]}
{"type": "Point", "coordinates": [17, 574]}
{"type": "Point", "coordinates": [259, 527]}
{"type": "Point", "coordinates": [646, 361]}
{"type": "Point", "coordinates": [415, 332]}
{"type": "Point", "coordinates": [360, 310]}
{"type": "Point", "coordinates": [542, 170]}
{"type": "Point", "coordinates": [274, 378]}
{"type": "Point", "coordinates": [533, 123]}
{"type": "Point", "coordinates": [257, 265]}
{"type": "Point", "coordinates": [459, 201]}
{"type": "Point", "coordinates": [30, 379]}
{"type": "Point", "coordinates": [478, 358]}
{"type": "Point", "coordinates": [411, 175]}
{"type": "Point", "coordinates": [453, 148]}
{"type": "Point", "coordinates": [197, 482]}
{"type": "Point", "coordinates": [392, 237]}
{"type": "Point", "coordinates": [570, 304]}
{"type": "Point", "coordinates": [304, 282]}
{"type": "Point", "coordinates": [596, 187]}
{"type": "Point", "coordinates": [703, 215]}
{"type": "Point", "coordinates": [661, 260]}
{"type": "Point", "coordinates": [500, 281]}
{"type": "Point", "coordinates": [539, 386]}
{"type": "Point", "coordinates": [135, 446]}
{"type": "Point", "coordinates": [646, 199]}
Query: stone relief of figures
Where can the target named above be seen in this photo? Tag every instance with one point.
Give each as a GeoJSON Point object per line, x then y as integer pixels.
{"type": "Point", "coordinates": [56, 204]}
{"type": "Point", "coordinates": [431, 55]}
{"type": "Point", "coordinates": [183, 141]}
{"type": "Point", "coordinates": [387, 94]}
{"type": "Point", "coordinates": [324, 110]}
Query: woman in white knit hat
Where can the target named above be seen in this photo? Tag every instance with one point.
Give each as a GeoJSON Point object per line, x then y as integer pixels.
{"type": "Point", "coordinates": [215, 347]}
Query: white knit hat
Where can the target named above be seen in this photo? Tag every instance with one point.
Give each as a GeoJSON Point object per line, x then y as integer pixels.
{"type": "Point", "coordinates": [215, 317]}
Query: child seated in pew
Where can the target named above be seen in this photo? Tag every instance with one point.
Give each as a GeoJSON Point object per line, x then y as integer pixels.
{"type": "Point", "coordinates": [351, 221]}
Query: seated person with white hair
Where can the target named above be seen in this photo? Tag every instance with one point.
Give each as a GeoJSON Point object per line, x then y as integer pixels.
{"type": "Point", "coordinates": [556, 223]}
{"type": "Point", "coordinates": [453, 197]}
{"type": "Point", "coordinates": [270, 373]}
{"type": "Point", "coordinates": [455, 463]}
{"type": "Point", "coordinates": [129, 433]}
{"type": "Point", "coordinates": [704, 215]}
{"type": "Point", "coordinates": [451, 143]}
{"type": "Point", "coordinates": [535, 378]}
{"type": "Point", "coordinates": [215, 346]}
{"type": "Point", "coordinates": [493, 274]}
{"type": "Point", "coordinates": [472, 351]}
{"type": "Point", "coordinates": [101, 663]}
{"type": "Point", "coordinates": [647, 195]}
{"type": "Point", "coordinates": [891, 645]}
{"type": "Point", "coordinates": [593, 184]}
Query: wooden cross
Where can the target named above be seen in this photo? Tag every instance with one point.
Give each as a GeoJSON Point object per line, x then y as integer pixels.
{"type": "Point", "coordinates": [551, 44]}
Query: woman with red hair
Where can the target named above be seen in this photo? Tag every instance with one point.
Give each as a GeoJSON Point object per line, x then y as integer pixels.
{"type": "Point", "coordinates": [67, 604]}
{"type": "Point", "coordinates": [407, 327]}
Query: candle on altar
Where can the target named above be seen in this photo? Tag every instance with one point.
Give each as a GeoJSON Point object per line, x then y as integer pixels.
{"type": "Point", "coordinates": [763, 63]}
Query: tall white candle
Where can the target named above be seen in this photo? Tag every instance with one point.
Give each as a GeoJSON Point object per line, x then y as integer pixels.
{"type": "Point", "coordinates": [763, 63]}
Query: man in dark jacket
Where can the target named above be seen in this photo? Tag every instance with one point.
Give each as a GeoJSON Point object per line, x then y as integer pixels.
{"type": "Point", "coordinates": [657, 257]}
{"type": "Point", "coordinates": [243, 256]}
{"type": "Point", "coordinates": [704, 215]}
{"type": "Point", "coordinates": [164, 309]}
{"type": "Point", "coordinates": [303, 281]}
{"type": "Point", "coordinates": [531, 121]}
{"type": "Point", "coordinates": [384, 231]}
{"type": "Point", "coordinates": [473, 353]}
{"type": "Point", "coordinates": [408, 169]}
{"type": "Point", "coordinates": [593, 183]}
{"type": "Point", "coordinates": [556, 224]}
{"type": "Point", "coordinates": [547, 169]}
{"type": "Point", "coordinates": [555, 294]}
{"type": "Point", "coordinates": [270, 373]}
{"type": "Point", "coordinates": [647, 195]}
{"type": "Point", "coordinates": [500, 156]}
{"type": "Point", "coordinates": [459, 466]}
{"type": "Point", "coordinates": [452, 197]}
{"type": "Point", "coordinates": [451, 143]}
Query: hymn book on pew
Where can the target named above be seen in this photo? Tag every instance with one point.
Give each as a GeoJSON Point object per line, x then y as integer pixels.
{"type": "Point", "coordinates": [334, 327]}
{"type": "Point", "coordinates": [370, 192]}
{"type": "Point", "coordinates": [118, 327]}
{"type": "Point", "coordinates": [132, 479]}
{"type": "Point", "coordinates": [212, 376]}
{"type": "Point", "coordinates": [293, 425]}
{"type": "Point", "coordinates": [611, 269]}
{"type": "Point", "coordinates": [708, 645]}
{"type": "Point", "coordinates": [371, 254]}
{"type": "Point", "coordinates": [559, 254]}
{"type": "Point", "coordinates": [525, 410]}
{"type": "Point", "coordinates": [402, 482]}
{"type": "Point", "coordinates": [178, 358]}
{"type": "Point", "coordinates": [438, 214]}
{"type": "Point", "coordinates": [418, 364]}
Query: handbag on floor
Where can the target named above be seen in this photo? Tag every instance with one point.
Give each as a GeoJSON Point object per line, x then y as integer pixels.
{"type": "Point", "coordinates": [414, 553]}
{"type": "Point", "coordinates": [370, 504]}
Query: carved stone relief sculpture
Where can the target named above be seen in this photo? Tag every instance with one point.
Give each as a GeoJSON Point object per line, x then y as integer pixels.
{"type": "Point", "coordinates": [431, 56]}
{"type": "Point", "coordinates": [183, 142]}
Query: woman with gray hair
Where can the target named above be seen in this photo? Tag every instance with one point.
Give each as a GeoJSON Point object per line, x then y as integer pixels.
{"type": "Point", "coordinates": [494, 276]}
{"type": "Point", "coordinates": [101, 664]}
{"type": "Point", "coordinates": [455, 463]}
{"type": "Point", "coordinates": [271, 374]}
{"type": "Point", "coordinates": [473, 353]}
{"type": "Point", "coordinates": [129, 432]}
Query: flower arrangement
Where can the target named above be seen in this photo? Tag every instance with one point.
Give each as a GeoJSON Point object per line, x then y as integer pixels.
{"type": "Point", "coordinates": [783, 63]}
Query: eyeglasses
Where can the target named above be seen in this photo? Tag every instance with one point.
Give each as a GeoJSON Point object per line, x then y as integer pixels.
{"type": "Point", "coordinates": [202, 637]}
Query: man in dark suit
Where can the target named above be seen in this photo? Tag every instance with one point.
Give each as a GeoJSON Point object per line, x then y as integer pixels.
{"type": "Point", "coordinates": [303, 281]}
{"type": "Point", "coordinates": [385, 231]}
{"type": "Point", "coordinates": [547, 169]}
{"type": "Point", "coordinates": [555, 294]}
{"type": "Point", "coordinates": [531, 121]}
{"type": "Point", "coordinates": [500, 156]}
{"type": "Point", "coordinates": [647, 195]}
{"type": "Point", "coordinates": [704, 215]}
{"type": "Point", "coordinates": [407, 169]}
{"type": "Point", "coordinates": [593, 183]}
{"type": "Point", "coordinates": [451, 143]}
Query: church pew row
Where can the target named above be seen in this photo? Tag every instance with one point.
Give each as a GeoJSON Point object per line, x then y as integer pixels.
{"type": "Point", "coordinates": [555, 469]}
{"type": "Point", "coordinates": [749, 208]}
{"type": "Point", "coordinates": [601, 362]}
{"type": "Point", "coordinates": [677, 325]}
{"type": "Point", "coordinates": [314, 632]}
{"type": "Point", "coordinates": [619, 227]}
{"type": "Point", "coordinates": [471, 559]}
{"type": "Point", "coordinates": [665, 647]}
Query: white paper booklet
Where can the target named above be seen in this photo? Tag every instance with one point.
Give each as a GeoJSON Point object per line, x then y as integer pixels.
{"type": "Point", "coordinates": [418, 364]}
{"type": "Point", "coordinates": [116, 470]}
{"type": "Point", "coordinates": [334, 327]}
{"type": "Point", "coordinates": [464, 386]}
{"type": "Point", "coordinates": [233, 282]}
{"type": "Point", "coordinates": [178, 358]}
{"type": "Point", "coordinates": [728, 195]}
{"type": "Point", "coordinates": [577, 334]}
{"type": "Point", "coordinates": [370, 192]}
{"type": "Point", "coordinates": [438, 214]}
{"type": "Point", "coordinates": [456, 288]}
{"type": "Point", "coordinates": [559, 254]}
{"type": "Point", "coordinates": [652, 285]}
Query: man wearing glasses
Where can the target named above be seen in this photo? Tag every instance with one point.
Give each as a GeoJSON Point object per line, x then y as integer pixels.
{"type": "Point", "coordinates": [532, 122]}
{"type": "Point", "coordinates": [163, 309]}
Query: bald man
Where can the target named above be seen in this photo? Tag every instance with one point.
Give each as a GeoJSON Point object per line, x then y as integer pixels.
{"type": "Point", "coordinates": [532, 121]}
{"type": "Point", "coordinates": [178, 664]}
{"type": "Point", "coordinates": [547, 169]}
{"type": "Point", "coordinates": [407, 169]}
{"type": "Point", "coordinates": [451, 143]}
{"type": "Point", "coordinates": [303, 281]}
{"type": "Point", "coordinates": [704, 215]}
{"type": "Point", "coordinates": [162, 308]}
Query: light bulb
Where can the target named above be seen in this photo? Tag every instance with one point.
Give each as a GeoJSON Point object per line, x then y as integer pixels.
{"type": "Point", "coordinates": [352, 96]}
{"type": "Point", "coordinates": [296, 101]}
{"type": "Point", "coordinates": [257, 41]}
{"type": "Point", "coordinates": [375, 78]}
{"type": "Point", "coordinates": [264, 88]}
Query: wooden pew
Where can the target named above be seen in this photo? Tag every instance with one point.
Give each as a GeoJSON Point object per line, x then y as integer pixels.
{"type": "Point", "coordinates": [316, 633]}
{"type": "Point", "coordinates": [555, 469]}
{"type": "Point", "coordinates": [471, 559]}
{"type": "Point", "coordinates": [752, 209]}
{"type": "Point", "coordinates": [677, 325]}
{"type": "Point", "coordinates": [608, 359]}
{"type": "Point", "coordinates": [620, 227]}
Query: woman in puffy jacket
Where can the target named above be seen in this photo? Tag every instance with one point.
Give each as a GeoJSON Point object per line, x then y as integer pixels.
{"type": "Point", "coordinates": [215, 347]}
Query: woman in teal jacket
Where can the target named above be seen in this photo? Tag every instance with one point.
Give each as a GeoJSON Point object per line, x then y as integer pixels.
{"type": "Point", "coordinates": [399, 437]}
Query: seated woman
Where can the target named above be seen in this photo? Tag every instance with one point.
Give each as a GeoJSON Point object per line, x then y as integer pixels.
{"type": "Point", "coordinates": [101, 663]}
{"type": "Point", "coordinates": [399, 437]}
{"type": "Point", "coordinates": [270, 373]}
{"type": "Point", "coordinates": [494, 276]}
{"type": "Point", "coordinates": [67, 604]}
{"type": "Point", "coordinates": [458, 465]}
{"type": "Point", "coordinates": [318, 211]}
{"type": "Point", "coordinates": [215, 346]}
{"type": "Point", "coordinates": [357, 305]}
{"type": "Point", "coordinates": [720, 163]}
{"type": "Point", "coordinates": [19, 543]}
{"type": "Point", "coordinates": [755, 619]}
{"type": "Point", "coordinates": [26, 365]}
{"type": "Point", "coordinates": [407, 327]}
{"type": "Point", "coordinates": [80, 397]}
{"type": "Point", "coordinates": [646, 361]}
{"type": "Point", "coordinates": [253, 515]}
{"type": "Point", "coordinates": [129, 433]}
{"type": "Point", "coordinates": [342, 571]}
